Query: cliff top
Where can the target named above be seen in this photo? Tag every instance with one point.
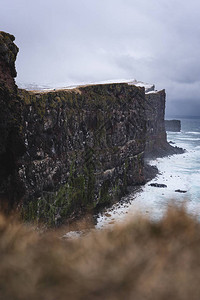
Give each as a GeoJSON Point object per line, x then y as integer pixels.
{"type": "Point", "coordinates": [149, 88]}
{"type": "Point", "coordinates": [8, 53]}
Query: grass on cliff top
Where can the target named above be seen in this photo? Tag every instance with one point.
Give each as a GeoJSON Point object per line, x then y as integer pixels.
{"type": "Point", "coordinates": [140, 259]}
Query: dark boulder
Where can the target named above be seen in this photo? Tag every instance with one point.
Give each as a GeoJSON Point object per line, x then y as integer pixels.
{"type": "Point", "coordinates": [159, 185]}
{"type": "Point", "coordinates": [180, 191]}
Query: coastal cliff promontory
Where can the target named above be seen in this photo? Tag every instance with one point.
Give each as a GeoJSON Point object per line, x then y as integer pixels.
{"type": "Point", "coordinates": [156, 137]}
{"type": "Point", "coordinates": [67, 151]}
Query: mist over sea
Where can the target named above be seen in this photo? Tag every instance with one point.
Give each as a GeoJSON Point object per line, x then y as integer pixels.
{"type": "Point", "coordinates": [178, 172]}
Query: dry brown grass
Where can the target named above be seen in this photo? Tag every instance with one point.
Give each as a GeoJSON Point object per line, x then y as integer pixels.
{"type": "Point", "coordinates": [138, 260]}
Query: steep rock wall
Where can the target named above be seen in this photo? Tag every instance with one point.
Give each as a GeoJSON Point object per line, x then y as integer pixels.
{"type": "Point", "coordinates": [11, 140]}
{"type": "Point", "coordinates": [67, 151]}
{"type": "Point", "coordinates": [156, 137]}
{"type": "Point", "coordinates": [155, 134]}
{"type": "Point", "coordinates": [84, 146]}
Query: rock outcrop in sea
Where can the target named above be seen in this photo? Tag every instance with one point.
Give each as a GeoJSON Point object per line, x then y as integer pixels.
{"type": "Point", "coordinates": [67, 151]}
{"type": "Point", "coordinates": [173, 125]}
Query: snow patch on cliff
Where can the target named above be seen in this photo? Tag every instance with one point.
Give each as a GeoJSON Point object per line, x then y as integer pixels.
{"type": "Point", "coordinates": [149, 88]}
{"type": "Point", "coordinates": [152, 92]}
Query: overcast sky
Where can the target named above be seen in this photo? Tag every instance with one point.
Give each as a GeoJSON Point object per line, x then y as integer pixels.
{"type": "Point", "coordinates": [64, 42]}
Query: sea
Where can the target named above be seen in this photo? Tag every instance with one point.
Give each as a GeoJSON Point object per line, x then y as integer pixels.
{"type": "Point", "coordinates": [177, 172]}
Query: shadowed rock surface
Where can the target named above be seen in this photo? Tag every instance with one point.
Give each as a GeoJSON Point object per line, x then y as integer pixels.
{"type": "Point", "coordinates": [11, 139]}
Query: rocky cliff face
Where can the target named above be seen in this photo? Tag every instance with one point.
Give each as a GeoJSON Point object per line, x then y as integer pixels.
{"type": "Point", "coordinates": [84, 146]}
{"type": "Point", "coordinates": [156, 138]}
{"type": "Point", "coordinates": [68, 151]}
{"type": "Point", "coordinates": [11, 140]}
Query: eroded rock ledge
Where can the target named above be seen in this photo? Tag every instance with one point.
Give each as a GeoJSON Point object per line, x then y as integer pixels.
{"type": "Point", "coordinates": [84, 146]}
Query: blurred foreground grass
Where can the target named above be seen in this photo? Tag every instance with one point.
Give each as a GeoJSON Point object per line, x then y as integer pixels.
{"type": "Point", "coordinates": [140, 259]}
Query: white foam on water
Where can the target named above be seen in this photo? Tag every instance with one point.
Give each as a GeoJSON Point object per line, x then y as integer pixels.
{"type": "Point", "coordinates": [153, 201]}
{"type": "Point", "coordinates": [189, 139]}
{"type": "Point", "coordinates": [192, 132]}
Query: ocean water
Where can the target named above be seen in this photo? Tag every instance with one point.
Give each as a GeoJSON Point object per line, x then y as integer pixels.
{"type": "Point", "coordinates": [178, 172]}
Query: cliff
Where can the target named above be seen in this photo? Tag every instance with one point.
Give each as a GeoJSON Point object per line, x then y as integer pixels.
{"type": "Point", "coordinates": [63, 152]}
{"type": "Point", "coordinates": [155, 134]}
{"type": "Point", "coordinates": [173, 125]}
{"type": "Point", "coordinates": [85, 146]}
{"type": "Point", "coordinates": [156, 138]}
{"type": "Point", "coordinates": [11, 139]}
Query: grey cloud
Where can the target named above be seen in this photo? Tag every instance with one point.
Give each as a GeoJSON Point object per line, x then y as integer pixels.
{"type": "Point", "coordinates": [64, 42]}
{"type": "Point", "coordinates": [184, 108]}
